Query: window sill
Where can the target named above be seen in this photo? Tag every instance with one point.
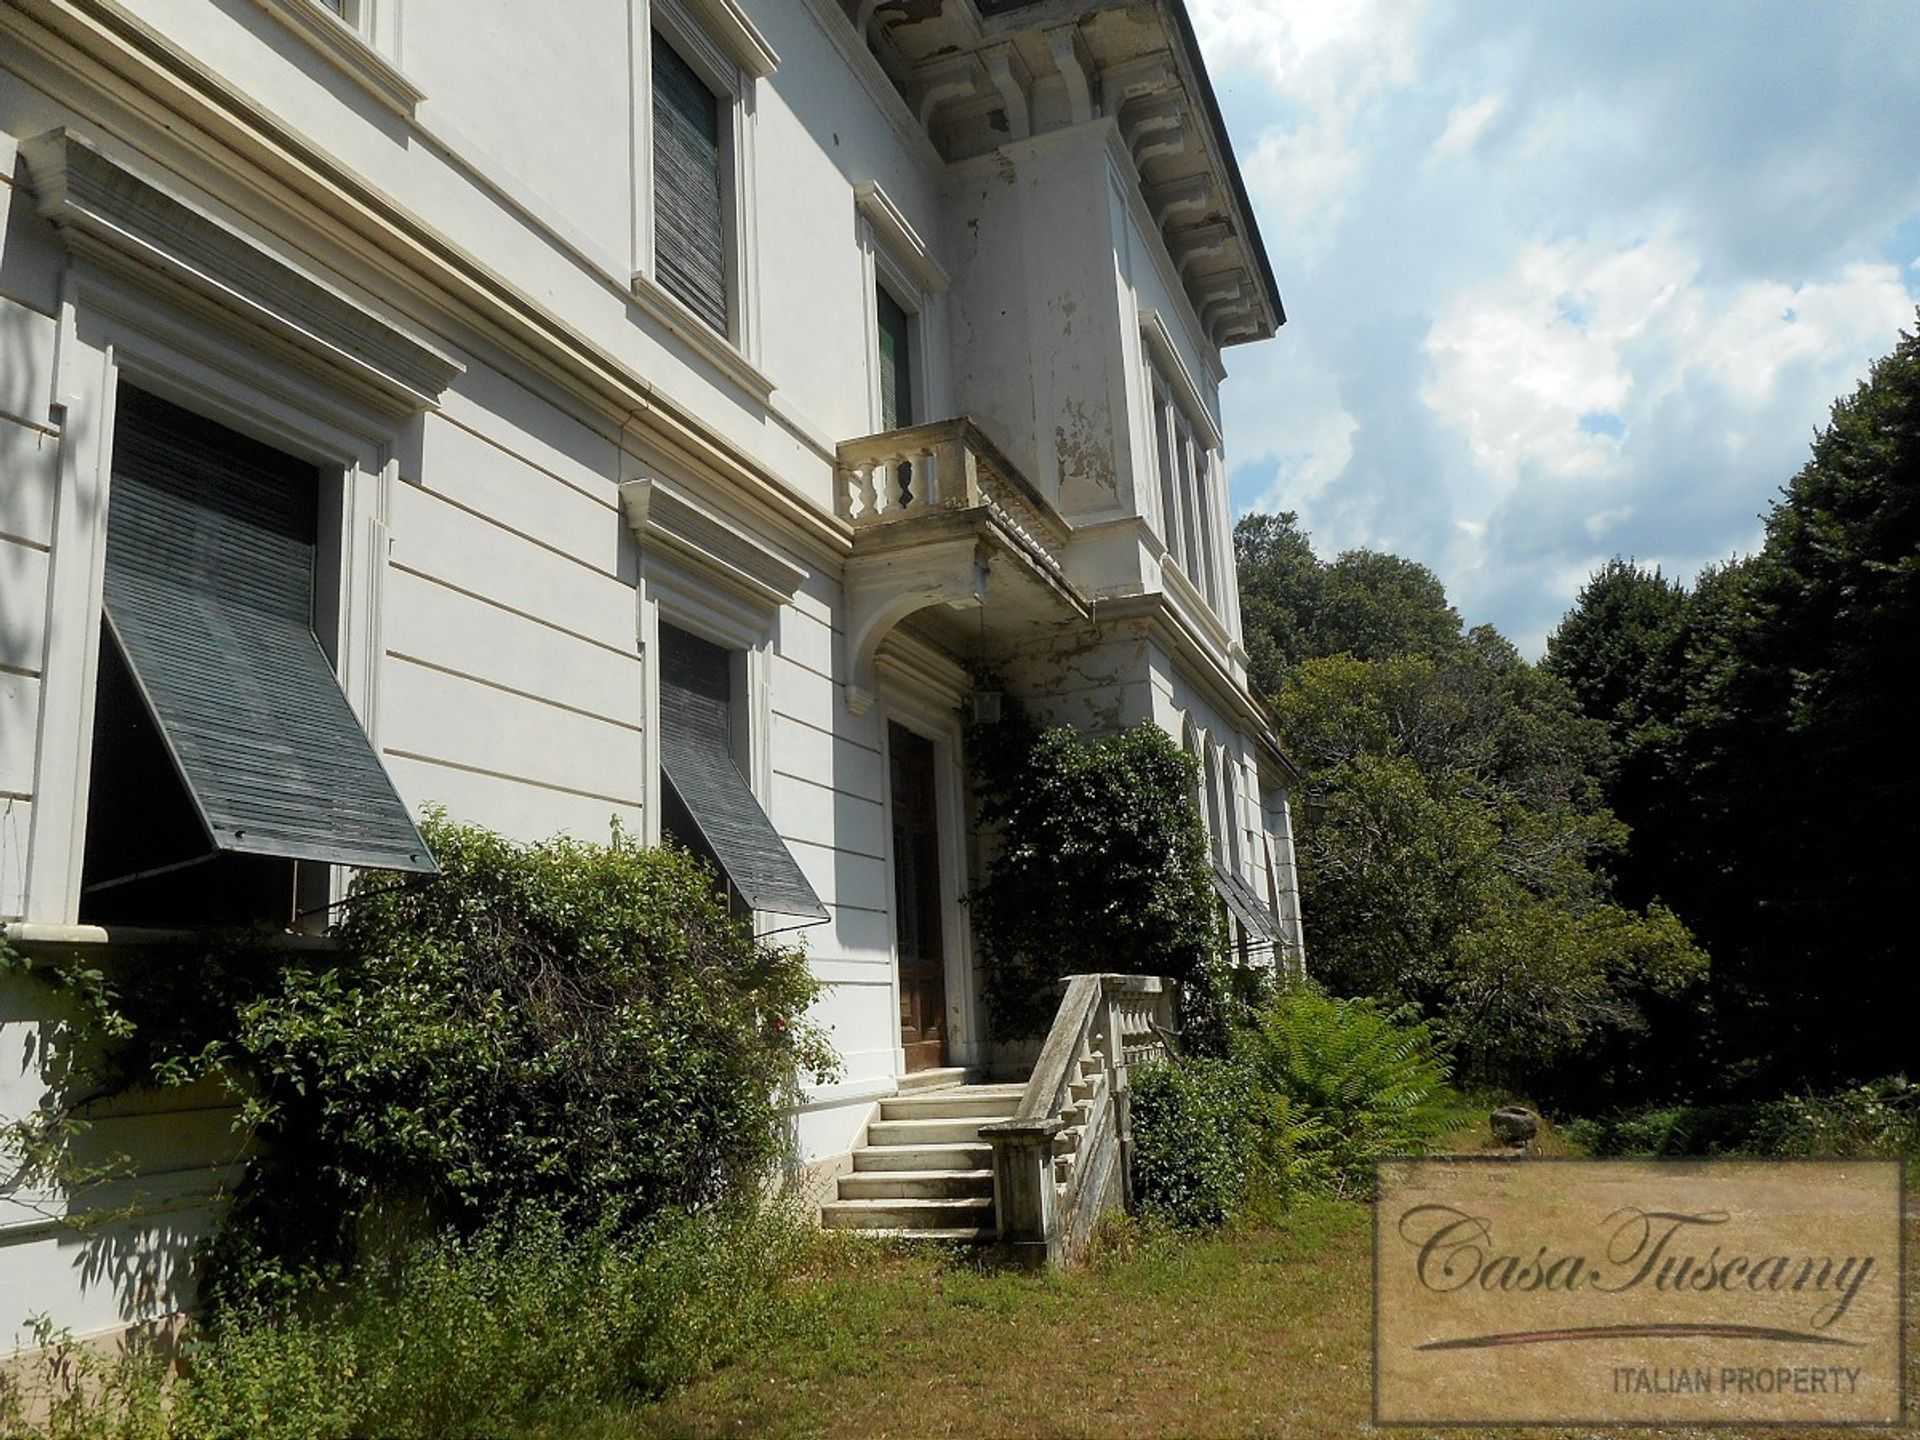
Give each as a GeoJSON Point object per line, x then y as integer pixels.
{"type": "Point", "coordinates": [1176, 582]}
{"type": "Point", "coordinates": [79, 940]}
{"type": "Point", "coordinates": [699, 337]}
{"type": "Point", "coordinates": [348, 49]}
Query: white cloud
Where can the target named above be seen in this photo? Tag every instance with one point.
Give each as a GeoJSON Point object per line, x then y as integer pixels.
{"type": "Point", "coordinates": [1300, 177]}
{"type": "Point", "coordinates": [1464, 126]}
{"type": "Point", "coordinates": [1576, 330]}
{"type": "Point", "coordinates": [1327, 66]}
{"type": "Point", "coordinates": [1313, 53]}
{"type": "Point", "coordinates": [1620, 335]}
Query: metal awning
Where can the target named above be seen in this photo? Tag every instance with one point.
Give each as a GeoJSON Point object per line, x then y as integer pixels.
{"type": "Point", "coordinates": [1245, 904]}
{"type": "Point", "coordinates": [696, 756]}
{"type": "Point", "coordinates": [209, 596]}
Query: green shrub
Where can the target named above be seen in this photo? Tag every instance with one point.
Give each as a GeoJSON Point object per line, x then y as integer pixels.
{"type": "Point", "coordinates": [465, 1337]}
{"type": "Point", "coordinates": [562, 1028]}
{"type": "Point", "coordinates": [1360, 1082]}
{"type": "Point", "coordinates": [1101, 865]}
{"type": "Point", "coordinates": [1316, 1090]}
{"type": "Point", "coordinates": [1878, 1119]}
{"type": "Point", "coordinates": [1196, 1139]}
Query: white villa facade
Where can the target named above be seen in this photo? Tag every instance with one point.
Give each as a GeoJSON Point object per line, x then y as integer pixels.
{"type": "Point", "coordinates": [637, 410]}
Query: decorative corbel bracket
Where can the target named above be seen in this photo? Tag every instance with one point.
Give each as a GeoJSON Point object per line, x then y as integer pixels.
{"type": "Point", "coordinates": [1012, 79]}
{"type": "Point", "coordinates": [945, 82]}
{"type": "Point", "coordinates": [1075, 62]}
{"type": "Point", "coordinates": [1191, 196]}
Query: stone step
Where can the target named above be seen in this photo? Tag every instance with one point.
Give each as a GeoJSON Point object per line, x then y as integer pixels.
{"type": "Point", "coordinates": [937, 1235]}
{"type": "Point", "coordinates": [916, 1184]}
{"type": "Point", "coordinates": [968, 1155]}
{"type": "Point", "coordinates": [982, 1102]}
{"type": "Point", "coordinates": [942, 1130]}
{"type": "Point", "coordinates": [932, 1079]}
{"type": "Point", "coordinates": [971, 1212]}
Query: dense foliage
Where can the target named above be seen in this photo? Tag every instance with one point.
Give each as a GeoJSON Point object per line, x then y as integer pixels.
{"type": "Point", "coordinates": [1100, 865]}
{"type": "Point", "coordinates": [1764, 747]}
{"type": "Point", "coordinates": [1196, 1134]}
{"type": "Point", "coordinates": [1311, 1092]}
{"type": "Point", "coordinates": [1462, 866]}
{"type": "Point", "coordinates": [1878, 1118]}
{"type": "Point", "coordinates": [486, 1336]}
{"type": "Point", "coordinates": [576, 1030]}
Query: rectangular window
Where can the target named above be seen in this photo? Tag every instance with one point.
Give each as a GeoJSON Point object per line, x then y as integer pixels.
{"type": "Point", "coordinates": [1171, 530]}
{"type": "Point", "coordinates": [896, 361]}
{"type": "Point", "coordinates": [690, 243]}
{"type": "Point", "coordinates": [224, 752]}
{"type": "Point", "coordinates": [706, 804]}
{"type": "Point", "coordinates": [1183, 466]}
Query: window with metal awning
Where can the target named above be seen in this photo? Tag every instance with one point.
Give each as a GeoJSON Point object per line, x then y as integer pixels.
{"type": "Point", "coordinates": [1243, 902]}
{"type": "Point", "coordinates": [210, 660]}
{"type": "Point", "coordinates": [709, 807]}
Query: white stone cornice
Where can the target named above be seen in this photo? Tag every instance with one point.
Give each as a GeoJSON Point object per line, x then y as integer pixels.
{"type": "Point", "coordinates": [349, 51]}
{"type": "Point", "coordinates": [141, 231]}
{"type": "Point", "coordinates": [659, 515]}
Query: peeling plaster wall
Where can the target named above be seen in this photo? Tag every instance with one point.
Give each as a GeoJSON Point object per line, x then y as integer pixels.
{"type": "Point", "coordinates": [1038, 340]}
{"type": "Point", "coordinates": [1098, 684]}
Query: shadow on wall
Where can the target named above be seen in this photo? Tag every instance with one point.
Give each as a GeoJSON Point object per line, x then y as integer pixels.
{"type": "Point", "coordinates": [99, 1230]}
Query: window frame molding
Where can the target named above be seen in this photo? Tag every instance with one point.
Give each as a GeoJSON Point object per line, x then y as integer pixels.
{"type": "Point", "coordinates": [1189, 464]}
{"type": "Point", "coordinates": [672, 592]}
{"type": "Point", "coordinates": [893, 256]}
{"type": "Point", "coordinates": [731, 57]}
{"type": "Point", "coordinates": [111, 332]}
{"type": "Point", "coordinates": [364, 45]}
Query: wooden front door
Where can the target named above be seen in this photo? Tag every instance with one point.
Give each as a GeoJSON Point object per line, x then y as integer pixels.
{"type": "Point", "coordinates": [916, 901]}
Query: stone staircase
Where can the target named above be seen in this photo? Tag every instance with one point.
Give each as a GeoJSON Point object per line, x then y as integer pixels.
{"type": "Point", "coordinates": [924, 1173]}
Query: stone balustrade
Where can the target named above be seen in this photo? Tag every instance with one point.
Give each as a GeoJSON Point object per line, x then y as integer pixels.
{"type": "Point", "coordinates": [945, 466]}
{"type": "Point", "coordinates": [1065, 1157]}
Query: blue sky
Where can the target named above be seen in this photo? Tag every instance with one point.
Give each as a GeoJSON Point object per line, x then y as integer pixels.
{"type": "Point", "coordinates": [1563, 280]}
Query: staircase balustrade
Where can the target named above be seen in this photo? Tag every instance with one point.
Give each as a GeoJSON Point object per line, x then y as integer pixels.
{"type": "Point", "coordinates": [1065, 1156]}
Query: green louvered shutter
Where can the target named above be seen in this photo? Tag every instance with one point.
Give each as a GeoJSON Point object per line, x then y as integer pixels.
{"type": "Point", "coordinates": [896, 376]}
{"type": "Point", "coordinates": [689, 216]}
{"type": "Point", "coordinates": [209, 595]}
{"type": "Point", "coordinates": [696, 754]}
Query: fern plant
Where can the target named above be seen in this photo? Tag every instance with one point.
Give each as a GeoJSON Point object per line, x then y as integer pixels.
{"type": "Point", "coordinates": [1357, 1081]}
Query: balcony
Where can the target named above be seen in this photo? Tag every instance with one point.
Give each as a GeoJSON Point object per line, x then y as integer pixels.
{"type": "Point", "coordinates": [944, 523]}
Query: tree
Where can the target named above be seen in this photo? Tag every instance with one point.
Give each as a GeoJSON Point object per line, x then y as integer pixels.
{"type": "Point", "coordinates": [1366, 603]}
{"type": "Point", "coordinates": [1279, 593]}
{"type": "Point", "coordinates": [1764, 747]}
{"type": "Point", "coordinates": [1100, 865]}
{"type": "Point", "coordinates": [1460, 866]}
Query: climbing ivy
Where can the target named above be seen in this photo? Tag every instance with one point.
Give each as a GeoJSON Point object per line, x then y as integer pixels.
{"type": "Point", "coordinates": [1100, 865]}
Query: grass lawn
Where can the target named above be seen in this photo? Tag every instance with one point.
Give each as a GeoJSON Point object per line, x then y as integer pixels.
{"type": "Point", "coordinates": [1259, 1331]}
{"type": "Point", "coordinates": [1263, 1332]}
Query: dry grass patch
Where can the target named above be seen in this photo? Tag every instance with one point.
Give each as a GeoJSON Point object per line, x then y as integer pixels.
{"type": "Point", "coordinates": [1256, 1332]}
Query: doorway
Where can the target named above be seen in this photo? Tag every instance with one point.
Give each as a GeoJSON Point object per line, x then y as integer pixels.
{"type": "Point", "coordinates": [918, 922]}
